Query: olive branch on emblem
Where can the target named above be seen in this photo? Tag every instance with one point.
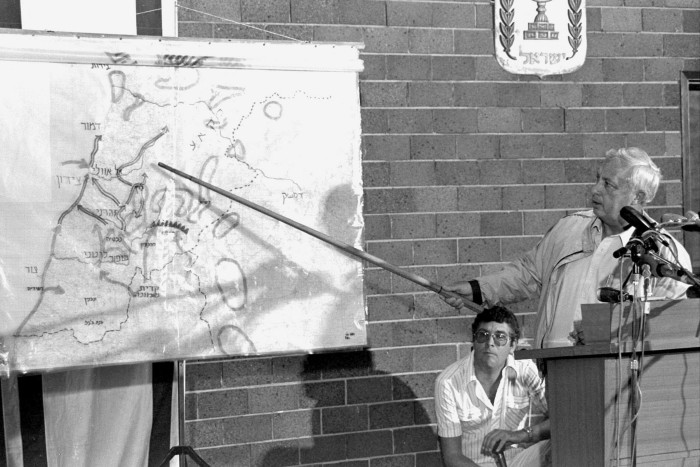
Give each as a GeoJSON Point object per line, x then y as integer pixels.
{"type": "Point", "coordinates": [575, 16]}
{"type": "Point", "coordinates": [506, 27]}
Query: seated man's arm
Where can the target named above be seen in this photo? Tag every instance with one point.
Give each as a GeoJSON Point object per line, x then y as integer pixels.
{"type": "Point", "coordinates": [499, 440]}
{"type": "Point", "coordinates": [451, 449]}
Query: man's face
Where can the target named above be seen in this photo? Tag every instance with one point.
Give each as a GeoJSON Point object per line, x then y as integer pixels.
{"type": "Point", "coordinates": [610, 194]}
{"type": "Point", "coordinates": [489, 354]}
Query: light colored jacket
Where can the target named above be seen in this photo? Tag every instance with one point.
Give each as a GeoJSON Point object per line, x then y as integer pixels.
{"type": "Point", "coordinates": [539, 271]}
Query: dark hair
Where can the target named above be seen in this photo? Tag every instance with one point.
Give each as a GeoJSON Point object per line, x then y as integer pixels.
{"type": "Point", "coordinates": [497, 314]}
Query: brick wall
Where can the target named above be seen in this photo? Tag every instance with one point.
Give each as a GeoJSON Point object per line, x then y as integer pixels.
{"type": "Point", "coordinates": [465, 166]}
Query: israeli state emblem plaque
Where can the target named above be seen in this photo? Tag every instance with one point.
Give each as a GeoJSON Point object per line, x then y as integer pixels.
{"type": "Point", "coordinates": [540, 37]}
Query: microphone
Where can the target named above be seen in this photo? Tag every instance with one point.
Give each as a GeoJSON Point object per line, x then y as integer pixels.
{"type": "Point", "coordinates": [637, 220]}
{"type": "Point", "coordinates": [689, 223]}
{"type": "Point", "coordinates": [659, 267]}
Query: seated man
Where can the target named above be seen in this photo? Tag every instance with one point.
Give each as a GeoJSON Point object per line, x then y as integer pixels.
{"type": "Point", "coordinates": [482, 401]}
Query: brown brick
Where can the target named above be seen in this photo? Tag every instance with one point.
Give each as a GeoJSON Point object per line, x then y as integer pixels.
{"type": "Point", "coordinates": [375, 174]}
{"type": "Point", "coordinates": [374, 121]}
{"type": "Point", "coordinates": [581, 170]}
{"type": "Point", "coordinates": [409, 14]}
{"type": "Point", "coordinates": [401, 285]}
{"type": "Point", "coordinates": [561, 95]}
{"type": "Point", "coordinates": [501, 223]}
{"type": "Point", "coordinates": [499, 120]}
{"type": "Point", "coordinates": [385, 147]}
{"type": "Point", "coordinates": [522, 197]}
{"type": "Point", "coordinates": [584, 120]}
{"type": "Point", "coordinates": [322, 394]}
{"type": "Point", "coordinates": [622, 19]}
{"type": "Point", "coordinates": [625, 45]}
{"type": "Point", "coordinates": [265, 11]}
{"type": "Point", "coordinates": [344, 419]}
{"type": "Point", "coordinates": [413, 225]}
{"type": "Point", "coordinates": [296, 424]}
{"type": "Point", "coordinates": [671, 95]}
{"type": "Point", "coordinates": [455, 120]}
{"type": "Point", "coordinates": [488, 69]}
{"type": "Point", "coordinates": [374, 66]}
{"type": "Point", "coordinates": [390, 307]}
{"type": "Point", "coordinates": [453, 15]}
{"type": "Point", "coordinates": [408, 67]}
{"type": "Point", "coordinates": [324, 449]}
{"type": "Point", "coordinates": [413, 386]}
{"type": "Point", "coordinates": [334, 33]}
{"type": "Point", "coordinates": [567, 196]}
{"type": "Point", "coordinates": [246, 372]}
{"type": "Point", "coordinates": [642, 95]}
{"type": "Point", "coordinates": [543, 120]}
{"type": "Point", "coordinates": [476, 94]}
{"type": "Point", "coordinates": [369, 444]}
{"type": "Point", "coordinates": [238, 31]}
{"type": "Point", "coordinates": [399, 253]}
{"type": "Point", "coordinates": [377, 227]}
{"type": "Point", "coordinates": [541, 171]}
{"type": "Point", "coordinates": [314, 11]}
{"type": "Point", "coordinates": [662, 20]}
{"type": "Point", "coordinates": [595, 145]}
{"type": "Point", "coordinates": [434, 251]}
{"type": "Point", "coordinates": [623, 69]}
{"type": "Point", "coordinates": [662, 68]}
{"type": "Point", "coordinates": [453, 330]}
{"type": "Point", "coordinates": [475, 146]}
{"type": "Point", "coordinates": [452, 68]}
{"type": "Point", "coordinates": [368, 390]}
{"type": "Point", "coordinates": [409, 121]}
{"type": "Point", "coordinates": [412, 173]}
{"type": "Point", "coordinates": [414, 439]}
{"type": "Point", "coordinates": [653, 143]}
{"type": "Point", "coordinates": [411, 333]}
{"type": "Point", "coordinates": [432, 358]}
{"type": "Point", "coordinates": [432, 147]}
{"type": "Point", "coordinates": [474, 42]}
{"type": "Point", "coordinates": [385, 40]}
{"type": "Point", "coordinates": [458, 224]}
{"type": "Point", "coordinates": [691, 21]}
{"type": "Point", "coordinates": [457, 172]}
{"type": "Point", "coordinates": [480, 199]}
{"type": "Point", "coordinates": [484, 16]}
{"type": "Point", "coordinates": [521, 146]}
{"type": "Point", "coordinates": [562, 145]}
{"type": "Point", "coordinates": [518, 95]}
{"type": "Point", "coordinates": [592, 70]}
{"type": "Point", "coordinates": [204, 376]}
{"type": "Point", "coordinates": [251, 428]}
{"type": "Point", "coordinates": [273, 398]}
{"type": "Point", "coordinates": [430, 94]}
{"type": "Point", "coordinates": [500, 172]}
{"type": "Point", "coordinates": [222, 403]}
{"type": "Point", "coordinates": [364, 12]}
{"type": "Point", "coordinates": [479, 250]}
{"type": "Point", "coordinates": [390, 415]}
{"type": "Point", "coordinates": [235, 456]}
{"type": "Point", "coordinates": [617, 120]}
{"type": "Point", "coordinates": [392, 360]}
{"type": "Point", "coordinates": [663, 119]}
{"type": "Point", "coordinates": [383, 94]}
{"type": "Point", "coordinates": [681, 45]}
{"type": "Point", "coordinates": [205, 433]}
{"type": "Point", "coordinates": [602, 95]}
{"type": "Point", "coordinates": [430, 41]}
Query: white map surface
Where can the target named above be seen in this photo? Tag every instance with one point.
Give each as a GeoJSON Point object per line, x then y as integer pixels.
{"type": "Point", "coordinates": [107, 258]}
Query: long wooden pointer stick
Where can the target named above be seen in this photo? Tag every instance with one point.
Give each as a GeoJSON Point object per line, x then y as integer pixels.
{"type": "Point", "coordinates": [321, 236]}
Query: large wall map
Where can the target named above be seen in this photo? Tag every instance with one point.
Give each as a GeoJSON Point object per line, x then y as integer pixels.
{"type": "Point", "coordinates": [106, 258]}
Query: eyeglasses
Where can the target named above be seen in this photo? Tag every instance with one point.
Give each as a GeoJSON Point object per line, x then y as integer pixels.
{"type": "Point", "coordinates": [500, 338]}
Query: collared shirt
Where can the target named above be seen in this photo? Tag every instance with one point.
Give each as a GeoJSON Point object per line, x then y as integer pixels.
{"type": "Point", "coordinates": [580, 282]}
{"type": "Point", "coordinates": [464, 409]}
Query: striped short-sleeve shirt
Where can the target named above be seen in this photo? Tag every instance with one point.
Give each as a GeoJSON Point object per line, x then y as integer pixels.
{"type": "Point", "coordinates": [464, 409]}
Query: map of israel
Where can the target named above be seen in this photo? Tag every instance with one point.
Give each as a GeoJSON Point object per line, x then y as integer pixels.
{"type": "Point", "coordinates": [107, 258]}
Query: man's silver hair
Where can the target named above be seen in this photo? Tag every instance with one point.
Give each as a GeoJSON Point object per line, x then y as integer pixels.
{"type": "Point", "coordinates": [642, 174]}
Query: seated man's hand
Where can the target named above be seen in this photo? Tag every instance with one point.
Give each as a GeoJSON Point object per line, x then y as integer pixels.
{"type": "Point", "coordinates": [498, 440]}
{"type": "Point", "coordinates": [459, 288]}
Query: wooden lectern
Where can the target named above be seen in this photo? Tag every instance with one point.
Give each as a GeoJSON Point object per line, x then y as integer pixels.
{"type": "Point", "coordinates": [591, 406]}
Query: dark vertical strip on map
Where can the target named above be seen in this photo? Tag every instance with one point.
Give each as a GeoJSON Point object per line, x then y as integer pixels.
{"type": "Point", "coordinates": [11, 14]}
{"type": "Point", "coordinates": [162, 403]}
{"type": "Point", "coordinates": [31, 409]}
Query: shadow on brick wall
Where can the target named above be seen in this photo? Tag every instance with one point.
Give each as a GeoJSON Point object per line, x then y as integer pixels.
{"type": "Point", "coordinates": [358, 414]}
